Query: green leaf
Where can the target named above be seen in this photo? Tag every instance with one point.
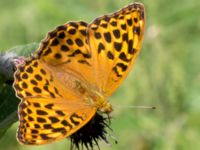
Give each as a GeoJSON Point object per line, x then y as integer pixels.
{"type": "Point", "coordinates": [8, 107]}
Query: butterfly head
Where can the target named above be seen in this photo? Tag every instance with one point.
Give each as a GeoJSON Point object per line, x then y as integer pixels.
{"type": "Point", "coordinates": [101, 103]}
{"type": "Point", "coordinates": [106, 107]}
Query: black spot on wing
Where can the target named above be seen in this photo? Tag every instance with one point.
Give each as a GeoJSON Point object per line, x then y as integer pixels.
{"type": "Point", "coordinates": [83, 62]}
{"type": "Point", "coordinates": [107, 37]}
{"type": "Point", "coordinates": [37, 90]}
{"type": "Point", "coordinates": [61, 35]}
{"type": "Point", "coordinates": [72, 31]}
{"type": "Point", "coordinates": [122, 66]}
{"type": "Point", "coordinates": [58, 56]}
{"type": "Point", "coordinates": [117, 46]}
{"type": "Point", "coordinates": [38, 77]}
{"type": "Point", "coordinates": [55, 42]}
{"type": "Point", "coordinates": [123, 57]}
{"type": "Point", "coordinates": [83, 32]}
{"type": "Point", "coordinates": [41, 112]}
{"type": "Point", "coordinates": [24, 85]}
{"type": "Point", "coordinates": [64, 48]}
{"type": "Point", "coordinates": [114, 23]}
{"type": "Point", "coordinates": [130, 22]}
{"type": "Point", "coordinates": [136, 30]}
{"type": "Point", "coordinates": [116, 33]}
{"type": "Point", "coordinates": [44, 136]}
{"type": "Point", "coordinates": [79, 42]}
{"type": "Point", "coordinates": [70, 42]}
{"type": "Point", "coordinates": [25, 76]}
{"type": "Point", "coordinates": [41, 120]}
{"type": "Point", "coordinates": [53, 119]}
{"type": "Point", "coordinates": [110, 55]}
{"type": "Point", "coordinates": [34, 82]}
{"type": "Point", "coordinates": [100, 47]}
{"type": "Point", "coordinates": [49, 106]}
{"type": "Point", "coordinates": [66, 123]}
{"type": "Point", "coordinates": [97, 35]}
{"type": "Point", "coordinates": [29, 69]}
{"type": "Point", "coordinates": [48, 51]}
{"type": "Point", "coordinates": [59, 112]}
{"type": "Point", "coordinates": [123, 26]}
{"type": "Point", "coordinates": [77, 52]}
{"type": "Point", "coordinates": [116, 71]}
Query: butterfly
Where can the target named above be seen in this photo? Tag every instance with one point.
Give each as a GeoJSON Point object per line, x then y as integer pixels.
{"type": "Point", "coordinates": [73, 72]}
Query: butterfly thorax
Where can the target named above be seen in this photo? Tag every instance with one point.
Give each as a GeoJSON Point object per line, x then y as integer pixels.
{"type": "Point", "coordinates": [94, 97]}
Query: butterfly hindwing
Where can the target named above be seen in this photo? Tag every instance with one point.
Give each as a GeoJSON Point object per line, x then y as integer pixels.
{"type": "Point", "coordinates": [51, 108]}
{"type": "Point", "coordinates": [45, 121]}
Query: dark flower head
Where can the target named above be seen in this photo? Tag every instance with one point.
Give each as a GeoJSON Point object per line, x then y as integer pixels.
{"type": "Point", "coordinates": [89, 135]}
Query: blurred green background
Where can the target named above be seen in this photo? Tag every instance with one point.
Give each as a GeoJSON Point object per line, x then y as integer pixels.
{"type": "Point", "coordinates": [166, 74]}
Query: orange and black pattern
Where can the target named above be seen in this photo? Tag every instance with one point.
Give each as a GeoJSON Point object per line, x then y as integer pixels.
{"type": "Point", "coordinates": [76, 65]}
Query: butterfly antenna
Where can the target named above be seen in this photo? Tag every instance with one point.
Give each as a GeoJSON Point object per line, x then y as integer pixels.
{"type": "Point", "coordinates": [127, 106]}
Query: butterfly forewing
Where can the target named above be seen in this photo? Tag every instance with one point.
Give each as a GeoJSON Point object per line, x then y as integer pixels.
{"type": "Point", "coordinates": [115, 41]}
{"type": "Point", "coordinates": [67, 48]}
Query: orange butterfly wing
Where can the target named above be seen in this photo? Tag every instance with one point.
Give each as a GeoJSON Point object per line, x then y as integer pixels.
{"type": "Point", "coordinates": [51, 86]}
{"type": "Point", "coordinates": [115, 41]}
